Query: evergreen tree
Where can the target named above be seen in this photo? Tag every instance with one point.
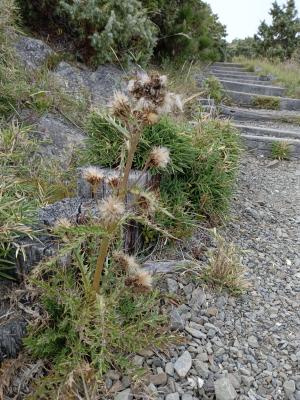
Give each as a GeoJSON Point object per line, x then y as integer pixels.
{"type": "Point", "coordinates": [281, 38]}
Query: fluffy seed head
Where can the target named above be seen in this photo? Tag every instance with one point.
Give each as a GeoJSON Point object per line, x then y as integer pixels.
{"type": "Point", "coordinates": [92, 175]}
{"type": "Point", "coordinates": [120, 105]}
{"type": "Point", "coordinates": [171, 102]}
{"type": "Point", "coordinates": [142, 281]}
{"type": "Point", "coordinates": [111, 209]}
{"type": "Point", "coordinates": [160, 157]}
{"type": "Point", "coordinates": [113, 181]}
{"type": "Point", "coordinates": [126, 262]}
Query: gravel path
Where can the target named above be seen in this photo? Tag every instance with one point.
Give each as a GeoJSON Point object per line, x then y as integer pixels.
{"type": "Point", "coordinates": [266, 225]}
{"type": "Point", "coordinates": [246, 347]}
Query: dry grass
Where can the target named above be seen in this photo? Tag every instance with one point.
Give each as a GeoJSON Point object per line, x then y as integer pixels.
{"type": "Point", "coordinates": [224, 269]}
{"type": "Point", "coordinates": [286, 73]}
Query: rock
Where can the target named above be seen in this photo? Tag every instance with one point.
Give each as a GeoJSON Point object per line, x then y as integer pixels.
{"type": "Point", "coordinates": [172, 285]}
{"type": "Point", "coordinates": [252, 340]}
{"type": "Point", "coordinates": [198, 299]}
{"type": "Point", "coordinates": [158, 379]}
{"type": "Point", "coordinates": [201, 368]}
{"type": "Point", "coordinates": [183, 364]}
{"type": "Point", "coordinates": [200, 382]}
{"type": "Point", "coordinates": [169, 368]}
{"type": "Point", "coordinates": [58, 139]}
{"type": "Point", "coordinates": [11, 335]}
{"type": "Point", "coordinates": [235, 380]}
{"type": "Point", "coordinates": [173, 396]}
{"type": "Point", "coordinates": [152, 389]}
{"type": "Point", "coordinates": [32, 52]}
{"type": "Point", "coordinates": [224, 389]}
{"type": "Point", "coordinates": [138, 360]}
{"type": "Point", "coordinates": [195, 333]}
{"type": "Point", "coordinates": [186, 397]}
{"type": "Point", "coordinates": [289, 387]}
{"type": "Point", "coordinates": [125, 395]}
{"type": "Point", "coordinates": [99, 85]}
{"type": "Point", "coordinates": [176, 320]}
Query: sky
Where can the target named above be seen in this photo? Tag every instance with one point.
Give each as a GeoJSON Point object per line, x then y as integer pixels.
{"type": "Point", "coordinates": [242, 17]}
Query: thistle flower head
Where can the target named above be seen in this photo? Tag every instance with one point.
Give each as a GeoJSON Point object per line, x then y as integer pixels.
{"type": "Point", "coordinates": [142, 281]}
{"type": "Point", "coordinates": [113, 182]}
{"type": "Point", "coordinates": [147, 202]}
{"type": "Point", "coordinates": [111, 209]}
{"type": "Point", "coordinates": [120, 105]}
{"type": "Point", "coordinates": [160, 157]}
{"type": "Point", "coordinates": [126, 262]}
{"type": "Point", "coordinates": [92, 175]}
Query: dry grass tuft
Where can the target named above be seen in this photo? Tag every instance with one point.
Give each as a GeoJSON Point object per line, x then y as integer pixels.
{"type": "Point", "coordinates": [224, 268]}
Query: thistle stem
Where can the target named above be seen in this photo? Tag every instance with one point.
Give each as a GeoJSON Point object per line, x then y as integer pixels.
{"type": "Point", "coordinates": [128, 166]}
{"type": "Point", "coordinates": [100, 262]}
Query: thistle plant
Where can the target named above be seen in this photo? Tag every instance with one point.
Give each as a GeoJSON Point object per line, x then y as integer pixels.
{"type": "Point", "coordinates": [147, 99]}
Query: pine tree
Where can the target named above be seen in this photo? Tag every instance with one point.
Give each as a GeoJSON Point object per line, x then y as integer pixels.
{"type": "Point", "coordinates": [281, 38]}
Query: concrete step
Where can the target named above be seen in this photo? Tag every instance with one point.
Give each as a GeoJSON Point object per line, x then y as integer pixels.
{"type": "Point", "coordinates": [251, 88]}
{"type": "Point", "coordinates": [267, 131]}
{"type": "Point", "coordinates": [246, 74]}
{"type": "Point", "coordinates": [248, 99]}
{"type": "Point", "coordinates": [252, 114]}
{"type": "Point", "coordinates": [230, 71]}
{"type": "Point", "coordinates": [263, 145]}
{"type": "Point", "coordinates": [241, 78]}
{"type": "Point", "coordinates": [240, 68]}
{"type": "Point", "coordinates": [228, 65]}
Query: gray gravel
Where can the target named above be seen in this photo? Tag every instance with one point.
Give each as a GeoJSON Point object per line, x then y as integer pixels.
{"type": "Point", "coordinates": [244, 347]}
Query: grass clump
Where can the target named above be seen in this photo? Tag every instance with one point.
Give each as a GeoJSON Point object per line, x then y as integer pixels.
{"type": "Point", "coordinates": [199, 178]}
{"type": "Point", "coordinates": [280, 151]}
{"type": "Point", "coordinates": [214, 89]}
{"type": "Point", "coordinates": [266, 102]}
{"type": "Point", "coordinates": [224, 269]}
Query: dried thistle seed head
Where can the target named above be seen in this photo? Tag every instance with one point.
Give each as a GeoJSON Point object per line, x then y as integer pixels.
{"type": "Point", "coordinates": [152, 118]}
{"type": "Point", "coordinates": [126, 262]}
{"type": "Point", "coordinates": [120, 105]}
{"type": "Point", "coordinates": [163, 80]}
{"type": "Point", "coordinates": [146, 202]}
{"type": "Point", "coordinates": [111, 209]}
{"type": "Point", "coordinates": [131, 85]}
{"type": "Point", "coordinates": [142, 281]}
{"type": "Point", "coordinates": [170, 103]}
{"type": "Point", "coordinates": [143, 104]}
{"type": "Point", "coordinates": [160, 157]}
{"type": "Point", "coordinates": [92, 175]}
{"type": "Point", "coordinates": [113, 182]}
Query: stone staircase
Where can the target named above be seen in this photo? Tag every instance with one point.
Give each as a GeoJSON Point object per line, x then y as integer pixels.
{"type": "Point", "coordinates": [260, 128]}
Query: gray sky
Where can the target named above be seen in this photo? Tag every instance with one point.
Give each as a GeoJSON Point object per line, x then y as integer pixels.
{"type": "Point", "coordinates": [242, 17]}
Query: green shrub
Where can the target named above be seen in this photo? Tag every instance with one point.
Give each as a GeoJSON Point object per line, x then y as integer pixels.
{"type": "Point", "coordinates": [105, 30]}
{"type": "Point", "coordinates": [202, 170]}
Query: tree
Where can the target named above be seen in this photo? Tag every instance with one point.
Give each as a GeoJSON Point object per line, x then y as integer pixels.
{"type": "Point", "coordinates": [281, 38]}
